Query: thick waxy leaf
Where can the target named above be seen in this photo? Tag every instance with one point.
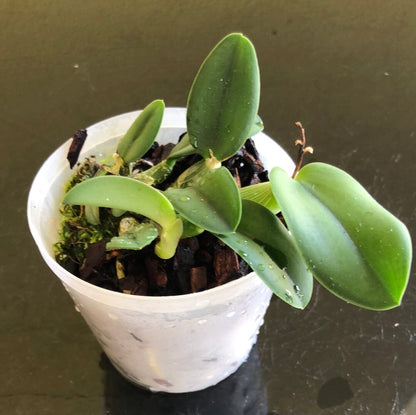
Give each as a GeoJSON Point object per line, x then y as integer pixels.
{"type": "Point", "coordinates": [142, 133]}
{"type": "Point", "coordinates": [161, 171]}
{"type": "Point", "coordinates": [265, 244]}
{"type": "Point", "coordinates": [189, 229]}
{"type": "Point", "coordinates": [182, 149]}
{"type": "Point", "coordinates": [256, 127]}
{"type": "Point", "coordinates": [354, 247]}
{"type": "Point", "coordinates": [92, 214]}
{"type": "Point", "coordinates": [156, 174]}
{"type": "Point", "coordinates": [136, 237]}
{"type": "Point", "coordinates": [131, 195]}
{"type": "Point", "coordinates": [224, 98]}
{"type": "Point", "coordinates": [261, 193]}
{"type": "Point", "coordinates": [210, 200]}
{"type": "Point", "coordinates": [117, 212]}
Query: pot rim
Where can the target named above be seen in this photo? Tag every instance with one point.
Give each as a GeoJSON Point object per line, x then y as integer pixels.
{"type": "Point", "coordinates": [174, 117]}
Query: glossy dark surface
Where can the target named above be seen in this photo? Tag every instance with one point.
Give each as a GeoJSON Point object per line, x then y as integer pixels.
{"type": "Point", "coordinates": [346, 69]}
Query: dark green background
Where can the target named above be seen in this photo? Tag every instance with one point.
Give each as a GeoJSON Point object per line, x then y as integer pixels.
{"type": "Point", "coordinates": [346, 69]}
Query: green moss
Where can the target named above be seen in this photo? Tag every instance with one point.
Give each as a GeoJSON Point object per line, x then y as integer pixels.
{"type": "Point", "coordinates": [76, 233]}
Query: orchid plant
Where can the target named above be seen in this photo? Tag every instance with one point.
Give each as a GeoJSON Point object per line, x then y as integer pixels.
{"type": "Point", "coordinates": [332, 229]}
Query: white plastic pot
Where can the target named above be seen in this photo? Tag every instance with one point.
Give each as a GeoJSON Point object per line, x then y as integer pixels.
{"type": "Point", "coordinates": [172, 344]}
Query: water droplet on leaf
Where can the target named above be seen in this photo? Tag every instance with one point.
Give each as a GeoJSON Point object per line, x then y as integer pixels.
{"type": "Point", "coordinates": [288, 297]}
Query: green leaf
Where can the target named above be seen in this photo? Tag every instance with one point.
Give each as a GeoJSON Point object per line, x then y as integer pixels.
{"type": "Point", "coordinates": [261, 193]}
{"type": "Point", "coordinates": [354, 247]}
{"type": "Point", "coordinates": [117, 212]}
{"type": "Point", "coordinates": [158, 173]}
{"type": "Point", "coordinates": [142, 133]}
{"type": "Point", "coordinates": [131, 195]}
{"type": "Point", "coordinates": [182, 149]}
{"type": "Point", "coordinates": [265, 244]}
{"type": "Point", "coordinates": [224, 98]}
{"type": "Point", "coordinates": [92, 214]}
{"type": "Point", "coordinates": [136, 237]}
{"type": "Point", "coordinates": [256, 127]}
{"type": "Point", "coordinates": [210, 200]}
{"type": "Point", "coordinates": [161, 171]}
{"type": "Point", "coordinates": [189, 229]}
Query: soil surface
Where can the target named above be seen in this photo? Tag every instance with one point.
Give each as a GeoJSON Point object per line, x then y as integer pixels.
{"type": "Point", "coordinates": [201, 262]}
